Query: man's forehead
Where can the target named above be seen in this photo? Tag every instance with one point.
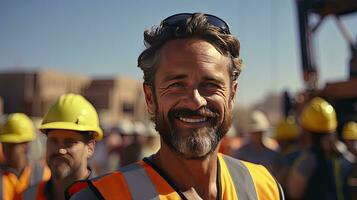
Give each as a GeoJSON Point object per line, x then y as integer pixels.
{"type": "Point", "coordinates": [61, 133]}
{"type": "Point", "coordinates": [189, 53]}
{"type": "Point", "coordinates": [195, 46]}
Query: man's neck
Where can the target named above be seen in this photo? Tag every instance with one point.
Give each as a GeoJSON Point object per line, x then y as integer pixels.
{"type": "Point", "coordinates": [193, 176]}
{"type": "Point", "coordinates": [59, 185]}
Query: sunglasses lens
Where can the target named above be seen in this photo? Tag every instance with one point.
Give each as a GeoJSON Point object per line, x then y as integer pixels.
{"type": "Point", "coordinates": [180, 20]}
{"type": "Point", "coordinates": [217, 22]}
{"type": "Point", "coordinates": [175, 20]}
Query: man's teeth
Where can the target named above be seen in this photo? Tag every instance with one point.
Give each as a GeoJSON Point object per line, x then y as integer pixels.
{"type": "Point", "coordinates": [190, 120]}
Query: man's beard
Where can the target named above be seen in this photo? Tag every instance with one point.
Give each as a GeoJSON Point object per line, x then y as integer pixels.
{"type": "Point", "coordinates": [197, 143]}
{"type": "Point", "coordinates": [60, 168]}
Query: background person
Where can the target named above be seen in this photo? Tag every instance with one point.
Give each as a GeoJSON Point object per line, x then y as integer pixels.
{"type": "Point", "coordinates": [349, 136]}
{"type": "Point", "coordinates": [254, 150]}
{"type": "Point", "coordinates": [72, 127]}
{"type": "Point", "coordinates": [321, 171]}
{"type": "Point", "coordinates": [17, 172]}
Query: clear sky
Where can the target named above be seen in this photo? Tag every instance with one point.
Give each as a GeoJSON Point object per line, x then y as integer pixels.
{"type": "Point", "coordinates": [104, 38]}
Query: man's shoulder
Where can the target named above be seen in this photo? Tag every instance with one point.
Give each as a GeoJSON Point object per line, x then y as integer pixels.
{"type": "Point", "coordinates": [251, 167]}
{"type": "Point", "coordinates": [263, 181]}
{"type": "Point", "coordinates": [237, 161]}
{"type": "Point", "coordinates": [86, 188]}
{"type": "Point", "coordinates": [113, 182]}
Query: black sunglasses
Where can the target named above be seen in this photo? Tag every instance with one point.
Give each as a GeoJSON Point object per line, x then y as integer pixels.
{"type": "Point", "coordinates": [179, 20]}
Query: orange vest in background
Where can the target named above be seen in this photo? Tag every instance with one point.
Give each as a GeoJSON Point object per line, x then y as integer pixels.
{"type": "Point", "coordinates": [11, 185]}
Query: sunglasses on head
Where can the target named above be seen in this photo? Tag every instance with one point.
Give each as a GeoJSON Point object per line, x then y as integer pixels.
{"type": "Point", "coordinates": [179, 20]}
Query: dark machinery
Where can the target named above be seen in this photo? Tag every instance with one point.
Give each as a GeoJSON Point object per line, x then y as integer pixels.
{"type": "Point", "coordinates": [343, 94]}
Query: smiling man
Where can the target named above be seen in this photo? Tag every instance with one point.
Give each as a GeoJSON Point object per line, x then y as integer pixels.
{"type": "Point", "coordinates": [191, 65]}
{"type": "Point", "coordinates": [72, 127]}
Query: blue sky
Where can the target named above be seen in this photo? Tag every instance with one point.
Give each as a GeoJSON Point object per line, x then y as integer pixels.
{"type": "Point", "coordinates": [104, 38]}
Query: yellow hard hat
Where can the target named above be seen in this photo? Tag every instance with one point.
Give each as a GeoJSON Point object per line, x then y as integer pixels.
{"type": "Point", "coordinates": [319, 117]}
{"type": "Point", "coordinates": [72, 112]}
{"type": "Point", "coordinates": [286, 129]}
{"type": "Point", "coordinates": [18, 128]}
{"type": "Point", "coordinates": [349, 131]}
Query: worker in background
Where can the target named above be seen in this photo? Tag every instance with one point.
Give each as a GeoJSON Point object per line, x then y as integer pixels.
{"type": "Point", "coordinates": [287, 135]}
{"type": "Point", "coordinates": [132, 152]}
{"type": "Point", "coordinates": [152, 144]}
{"type": "Point", "coordinates": [321, 171]}
{"type": "Point", "coordinates": [191, 66]}
{"type": "Point", "coordinates": [18, 173]}
{"type": "Point", "coordinates": [349, 136]}
{"type": "Point", "coordinates": [232, 141]}
{"type": "Point", "coordinates": [72, 127]}
{"type": "Point", "coordinates": [255, 150]}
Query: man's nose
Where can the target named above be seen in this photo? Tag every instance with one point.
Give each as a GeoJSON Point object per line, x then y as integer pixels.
{"type": "Point", "coordinates": [62, 150]}
{"type": "Point", "coordinates": [194, 100]}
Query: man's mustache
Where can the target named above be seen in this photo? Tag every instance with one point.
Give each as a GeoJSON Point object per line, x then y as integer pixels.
{"type": "Point", "coordinates": [60, 157]}
{"type": "Point", "coordinates": [203, 111]}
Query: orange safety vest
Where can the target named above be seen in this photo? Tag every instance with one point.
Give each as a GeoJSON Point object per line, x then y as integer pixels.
{"type": "Point", "coordinates": [39, 190]}
{"type": "Point", "coordinates": [239, 180]}
{"type": "Point", "coordinates": [11, 185]}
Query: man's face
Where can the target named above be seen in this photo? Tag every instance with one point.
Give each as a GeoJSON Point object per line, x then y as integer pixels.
{"type": "Point", "coordinates": [67, 153]}
{"type": "Point", "coordinates": [193, 97]}
{"type": "Point", "coordinates": [16, 153]}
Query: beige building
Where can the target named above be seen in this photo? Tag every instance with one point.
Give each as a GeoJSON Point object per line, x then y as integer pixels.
{"type": "Point", "coordinates": [34, 92]}
{"type": "Point", "coordinates": [117, 99]}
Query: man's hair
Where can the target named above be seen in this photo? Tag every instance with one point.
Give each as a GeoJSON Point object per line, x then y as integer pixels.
{"type": "Point", "coordinates": [196, 27]}
{"type": "Point", "coordinates": [87, 135]}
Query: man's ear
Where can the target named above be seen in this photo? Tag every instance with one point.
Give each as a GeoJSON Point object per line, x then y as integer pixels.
{"type": "Point", "coordinates": [149, 98]}
{"type": "Point", "coordinates": [91, 146]}
{"type": "Point", "coordinates": [233, 93]}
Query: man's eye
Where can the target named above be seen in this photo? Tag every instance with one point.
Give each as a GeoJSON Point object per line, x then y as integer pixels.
{"type": "Point", "coordinates": [175, 85]}
{"type": "Point", "coordinates": [210, 85]}
{"type": "Point", "coordinates": [70, 143]}
{"type": "Point", "coordinates": [52, 141]}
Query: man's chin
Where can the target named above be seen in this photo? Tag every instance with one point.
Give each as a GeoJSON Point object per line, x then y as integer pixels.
{"type": "Point", "coordinates": [190, 154]}
{"type": "Point", "coordinates": [60, 171]}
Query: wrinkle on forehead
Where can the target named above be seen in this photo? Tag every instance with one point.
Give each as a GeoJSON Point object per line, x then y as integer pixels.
{"type": "Point", "coordinates": [202, 50]}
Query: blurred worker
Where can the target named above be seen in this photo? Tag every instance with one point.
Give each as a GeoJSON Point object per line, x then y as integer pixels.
{"type": "Point", "coordinates": [320, 172]}
{"type": "Point", "coordinates": [232, 141]}
{"type": "Point", "coordinates": [349, 135]}
{"type": "Point", "coordinates": [17, 173]}
{"type": "Point", "coordinates": [152, 144]}
{"type": "Point", "coordinates": [191, 66]}
{"type": "Point", "coordinates": [287, 135]}
{"type": "Point", "coordinates": [132, 152]}
{"type": "Point", "coordinates": [103, 160]}
{"type": "Point", "coordinates": [72, 127]}
{"type": "Point", "coordinates": [255, 150]}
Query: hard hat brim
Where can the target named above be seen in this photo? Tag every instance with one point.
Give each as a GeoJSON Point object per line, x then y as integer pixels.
{"type": "Point", "coordinates": [72, 126]}
{"type": "Point", "coordinates": [14, 138]}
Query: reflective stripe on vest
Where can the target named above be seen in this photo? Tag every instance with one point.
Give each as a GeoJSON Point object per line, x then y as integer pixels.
{"type": "Point", "coordinates": [37, 171]}
{"type": "Point", "coordinates": [30, 193]}
{"type": "Point", "coordinates": [242, 180]}
{"type": "Point", "coordinates": [139, 183]}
